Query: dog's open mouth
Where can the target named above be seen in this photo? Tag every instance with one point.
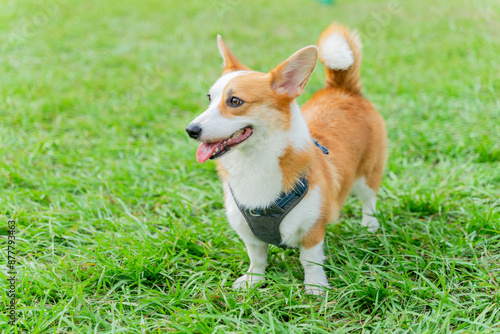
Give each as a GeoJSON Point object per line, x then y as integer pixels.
{"type": "Point", "coordinates": [219, 148]}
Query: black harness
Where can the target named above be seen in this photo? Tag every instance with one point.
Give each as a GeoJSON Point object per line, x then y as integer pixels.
{"type": "Point", "coordinates": [265, 223]}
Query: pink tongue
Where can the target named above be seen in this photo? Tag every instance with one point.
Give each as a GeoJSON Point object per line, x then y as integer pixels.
{"type": "Point", "coordinates": [205, 151]}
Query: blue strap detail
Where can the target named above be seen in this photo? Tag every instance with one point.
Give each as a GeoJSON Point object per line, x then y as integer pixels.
{"type": "Point", "coordinates": [324, 149]}
{"type": "Point", "coordinates": [285, 198]}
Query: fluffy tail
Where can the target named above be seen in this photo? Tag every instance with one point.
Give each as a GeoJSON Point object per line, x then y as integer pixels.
{"type": "Point", "coordinates": [340, 52]}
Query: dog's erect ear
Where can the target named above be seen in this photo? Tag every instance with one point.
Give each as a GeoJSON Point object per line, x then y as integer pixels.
{"type": "Point", "coordinates": [231, 63]}
{"type": "Point", "coordinates": [290, 77]}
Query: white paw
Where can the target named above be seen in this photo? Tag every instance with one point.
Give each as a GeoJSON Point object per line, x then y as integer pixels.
{"type": "Point", "coordinates": [247, 281]}
{"type": "Point", "coordinates": [371, 223]}
{"type": "Point", "coordinates": [316, 288]}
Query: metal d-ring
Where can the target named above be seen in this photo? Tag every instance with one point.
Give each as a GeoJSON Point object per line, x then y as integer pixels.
{"type": "Point", "coordinates": [253, 213]}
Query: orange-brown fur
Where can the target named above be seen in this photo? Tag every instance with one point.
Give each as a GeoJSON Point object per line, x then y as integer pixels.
{"type": "Point", "coordinates": [293, 164]}
{"type": "Point", "coordinates": [348, 124]}
{"type": "Point", "coordinates": [230, 61]}
{"type": "Point", "coordinates": [355, 134]}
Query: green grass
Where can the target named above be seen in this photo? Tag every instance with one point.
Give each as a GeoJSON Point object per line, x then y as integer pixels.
{"type": "Point", "coordinates": [120, 230]}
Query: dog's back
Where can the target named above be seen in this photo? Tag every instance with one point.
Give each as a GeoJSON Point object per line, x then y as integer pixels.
{"type": "Point", "coordinates": [341, 118]}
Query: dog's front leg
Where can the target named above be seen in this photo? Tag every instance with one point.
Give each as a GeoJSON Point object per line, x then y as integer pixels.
{"type": "Point", "coordinates": [314, 274]}
{"type": "Point", "coordinates": [257, 252]}
{"type": "Point", "coordinates": [256, 248]}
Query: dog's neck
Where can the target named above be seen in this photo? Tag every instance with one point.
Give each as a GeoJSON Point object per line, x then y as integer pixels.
{"type": "Point", "coordinates": [255, 173]}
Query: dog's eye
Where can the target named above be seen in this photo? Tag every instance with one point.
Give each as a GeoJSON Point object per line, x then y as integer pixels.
{"type": "Point", "coordinates": [233, 101]}
{"type": "Point", "coordinates": [209, 98]}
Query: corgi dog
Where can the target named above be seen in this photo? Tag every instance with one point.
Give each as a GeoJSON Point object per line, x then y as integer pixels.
{"type": "Point", "coordinates": [286, 171]}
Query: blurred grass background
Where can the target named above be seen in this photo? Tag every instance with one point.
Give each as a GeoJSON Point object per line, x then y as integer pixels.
{"type": "Point", "coordinates": [120, 230]}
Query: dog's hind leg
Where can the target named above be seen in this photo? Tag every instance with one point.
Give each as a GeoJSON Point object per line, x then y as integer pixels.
{"type": "Point", "coordinates": [368, 196]}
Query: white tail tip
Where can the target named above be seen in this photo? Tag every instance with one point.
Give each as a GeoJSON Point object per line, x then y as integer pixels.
{"type": "Point", "coordinates": [336, 53]}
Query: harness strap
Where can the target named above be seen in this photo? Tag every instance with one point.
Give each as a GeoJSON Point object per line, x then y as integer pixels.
{"type": "Point", "coordinates": [324, 149]}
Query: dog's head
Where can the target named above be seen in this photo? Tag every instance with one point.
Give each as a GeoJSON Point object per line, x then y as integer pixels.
{"type": "Point", "coordinates": [245, 105]}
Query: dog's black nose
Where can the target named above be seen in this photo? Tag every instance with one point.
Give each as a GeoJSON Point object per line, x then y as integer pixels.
{"type": "Point", "coordinates": [194, 131]}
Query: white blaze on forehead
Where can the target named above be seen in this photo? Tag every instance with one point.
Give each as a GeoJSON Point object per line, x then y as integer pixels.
{"type": "Point", "coordinates": [217, 90]}
{"type": "Point", "coordinates": [336, 52]}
